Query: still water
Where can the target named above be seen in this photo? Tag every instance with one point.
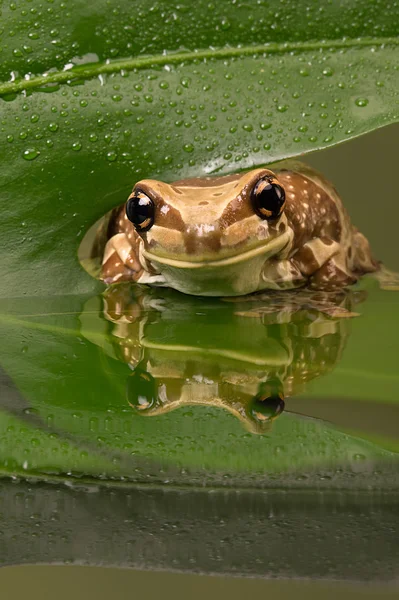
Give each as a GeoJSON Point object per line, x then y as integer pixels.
{"type": "Point", "coordinates": [252, 438]}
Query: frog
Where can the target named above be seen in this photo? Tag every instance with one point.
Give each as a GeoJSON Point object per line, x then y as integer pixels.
{"type": "Point", "coordinates": [237, 234]}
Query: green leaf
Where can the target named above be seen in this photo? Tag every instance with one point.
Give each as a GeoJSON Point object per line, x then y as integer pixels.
{"type": "Point", "coordinates": [91, 101]}
{"type": "Point", "coordinates": [168, 91]}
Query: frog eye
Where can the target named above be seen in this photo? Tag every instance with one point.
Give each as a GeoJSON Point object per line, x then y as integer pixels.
{"type": "Point", "coordinates": [140, 210]}
{"type": "Point", "coordinates": [268, 198]}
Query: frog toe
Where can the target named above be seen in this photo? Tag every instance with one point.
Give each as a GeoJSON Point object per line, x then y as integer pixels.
{"type": "Point", "coordinates": [387, 279]}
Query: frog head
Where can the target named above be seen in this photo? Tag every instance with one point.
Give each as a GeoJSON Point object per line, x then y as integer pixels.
{"type": "Point", "coordinates": [210, 236]}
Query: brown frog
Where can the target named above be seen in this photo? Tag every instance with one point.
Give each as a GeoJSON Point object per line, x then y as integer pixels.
{"type": "Point", "coordinates": [237, 234]}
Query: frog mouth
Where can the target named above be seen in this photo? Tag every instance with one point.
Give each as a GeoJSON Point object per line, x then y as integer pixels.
{"type": "Point", "coordinates": [271, 247]}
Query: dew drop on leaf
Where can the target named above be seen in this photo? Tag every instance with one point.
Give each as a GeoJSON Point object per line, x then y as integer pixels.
{"type": "Point", "coordinates": [361, 102]}
{"type": "Point", "coordinates": [112, 156]}
{"type": "Point", "coordinates": [30, 153]}
{"type": "Point", "coordinates": [328, 72]}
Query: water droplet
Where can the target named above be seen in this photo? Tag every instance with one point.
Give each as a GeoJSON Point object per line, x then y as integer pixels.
{"type": "Point", "coordinates": [76, 146]}
{"type": "Point", "coordinates": [112, 156]}
{"type": "Point", "coordinates": [34, 118]}
{"type": "Point", "coordinates": [53, 126]}
{"type": "Point", "coordinates": [30, 153]}
{"type": "Point", "coordinates": [361, 102]}
{"type": "Point", "coordinates": [328, 72]}
{"type": "Point", "coordinates": [188, 148]}
{"type": "Point", "coordinates": [359, 457]}
{"type": "Point", "coordinates": [10, 138]}
{"type": "Point", "coordinates": [93, 137]}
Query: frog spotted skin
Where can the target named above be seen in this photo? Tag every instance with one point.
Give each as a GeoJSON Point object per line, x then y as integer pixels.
{"type": "Point", "coordinates": [209, 237]}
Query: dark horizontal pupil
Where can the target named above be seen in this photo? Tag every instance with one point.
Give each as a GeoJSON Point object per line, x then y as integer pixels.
{"type": "Point", "coordinates": [269, 197]}
{"type": "Point", "coordinates": [140, 211]}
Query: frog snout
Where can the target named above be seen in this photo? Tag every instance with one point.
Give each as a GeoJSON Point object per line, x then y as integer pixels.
{"type": "Point", "coordinates": [202, 239]}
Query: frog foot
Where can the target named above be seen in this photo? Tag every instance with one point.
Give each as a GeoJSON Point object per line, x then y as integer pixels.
{"type": "Point", "coordinates": [387, 279]}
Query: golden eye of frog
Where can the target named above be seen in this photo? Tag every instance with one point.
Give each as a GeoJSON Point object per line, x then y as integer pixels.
{"type": "Point", "coordinates": [228, 236]}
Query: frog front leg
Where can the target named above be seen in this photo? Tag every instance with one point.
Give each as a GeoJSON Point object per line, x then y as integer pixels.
{"type": "Point", "coordinates": [319, 262]}
{"type": "Point", "coordinates": [323, 262]}
{"type": "Point", "coordinates": [120, 261]}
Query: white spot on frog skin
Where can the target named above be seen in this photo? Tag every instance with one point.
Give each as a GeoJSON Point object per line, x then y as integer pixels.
{"type": "Point", "coordinates": [305, 205]}
{"type": "Point", "coordinates": [291, 187]}
{"type": "Point", "coordinates": [164, 209]}
{"type": "Point", "coordinates": [263, 231]}
{"type": "Point", "coordinates": [318, 196]}
{"type": "Point", "coordinates": [204, 228]}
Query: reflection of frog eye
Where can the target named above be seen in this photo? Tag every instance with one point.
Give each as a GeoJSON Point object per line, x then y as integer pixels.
{"type": "Point", "coordinates": [267, 408]}
{"type": "Point", "coordinates": [268, 199]}
{"type": "Point", "coordinates": [140, 211]}
{"type": "Point", "coordinates": [141, 390]}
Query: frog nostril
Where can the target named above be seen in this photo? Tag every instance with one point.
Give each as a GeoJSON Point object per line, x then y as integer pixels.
{"type": "Point", "coordinates": [203, 203]}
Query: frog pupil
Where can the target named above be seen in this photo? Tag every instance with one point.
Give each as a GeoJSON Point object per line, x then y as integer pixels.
{"type": "Point", "coordinates": [140, 211]}
{"type": "Point", "coordinates": [268, 199]}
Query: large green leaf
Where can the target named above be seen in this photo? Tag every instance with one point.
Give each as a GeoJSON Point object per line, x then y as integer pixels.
{"type": "Point", "coordinates": [194, 88]}
{"type": "Point", "coordinates": [93, 99]}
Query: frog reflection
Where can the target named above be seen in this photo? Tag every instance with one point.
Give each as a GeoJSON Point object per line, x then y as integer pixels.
{"type": "Point", "coordinates": [246, 355]}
